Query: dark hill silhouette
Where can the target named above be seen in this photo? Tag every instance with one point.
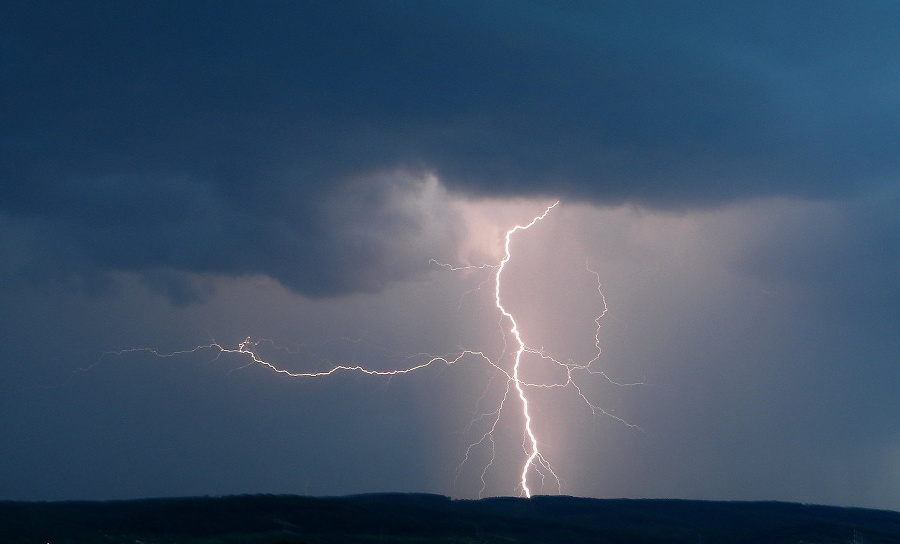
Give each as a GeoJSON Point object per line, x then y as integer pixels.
{"type": "Point", "coordinates": [416, 518]}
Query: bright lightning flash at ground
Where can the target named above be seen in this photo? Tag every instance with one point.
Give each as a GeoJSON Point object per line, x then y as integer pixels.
{"type": "Point", "coordinates": [535, 462]}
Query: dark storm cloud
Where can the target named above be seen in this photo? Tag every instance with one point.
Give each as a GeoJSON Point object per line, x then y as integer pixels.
{"type": "Point", "coordinates": [284, 138]}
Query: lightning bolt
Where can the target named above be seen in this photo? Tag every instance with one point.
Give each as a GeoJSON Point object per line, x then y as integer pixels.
{"type": "Point", "coordinates": [534, 459]}
{"type": "Point", "coordinates": [535, 462]}
{"type": "Point", "coordinates": [534, 453]}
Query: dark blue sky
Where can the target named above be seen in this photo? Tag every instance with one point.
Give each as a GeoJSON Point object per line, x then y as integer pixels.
{"type": "Point", "coordinates": [180, 171]}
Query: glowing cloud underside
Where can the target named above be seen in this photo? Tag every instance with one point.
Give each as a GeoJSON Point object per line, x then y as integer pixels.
{"type": "Point", "coordinates": [535, 463]}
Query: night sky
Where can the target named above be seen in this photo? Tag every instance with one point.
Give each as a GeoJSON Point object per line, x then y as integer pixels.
{"type": "Point", "coordinates": [181, 173]}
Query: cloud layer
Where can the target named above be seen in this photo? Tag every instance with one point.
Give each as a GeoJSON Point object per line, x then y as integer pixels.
{"type": "Point", "coordinates": [289, 139]}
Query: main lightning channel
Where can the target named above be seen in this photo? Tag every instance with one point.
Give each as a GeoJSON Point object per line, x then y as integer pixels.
{"type": "Point", "coordinates": [534, 454]}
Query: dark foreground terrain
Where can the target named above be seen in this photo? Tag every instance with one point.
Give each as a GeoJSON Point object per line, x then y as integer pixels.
{"type": "Point", "coordinates": [267, 519]}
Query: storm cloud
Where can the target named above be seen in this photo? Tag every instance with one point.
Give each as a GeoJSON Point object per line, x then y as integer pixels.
{"type": "Point", "coordinates": [281, 138]}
